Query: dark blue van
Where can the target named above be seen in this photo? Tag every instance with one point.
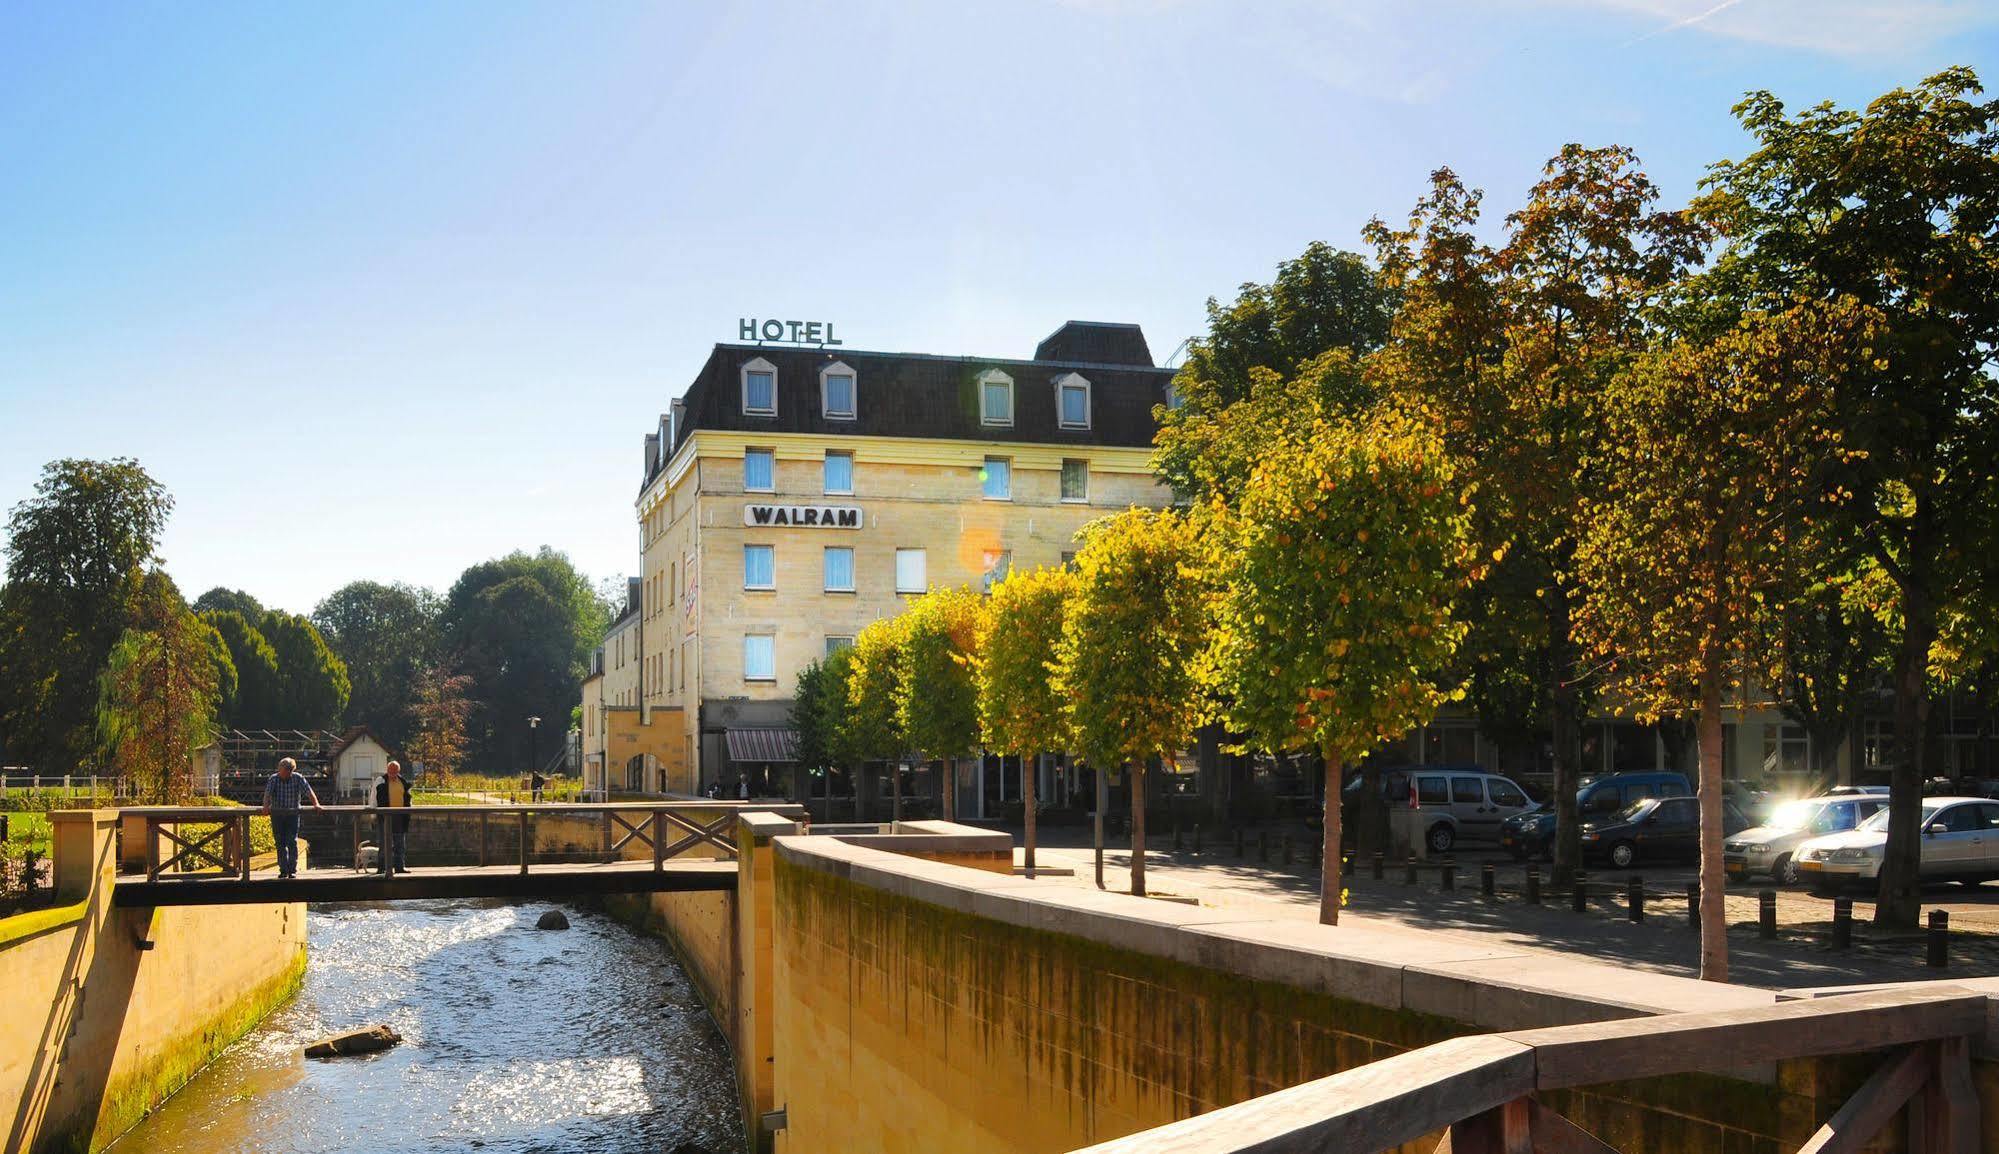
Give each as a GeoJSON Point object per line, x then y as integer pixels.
{"type": "Point", "coordinates": [1532, 834]}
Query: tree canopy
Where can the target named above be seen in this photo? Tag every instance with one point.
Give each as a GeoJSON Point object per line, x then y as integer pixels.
{"type": "Point", "coordinates": [75, 553]}
{"type": "Point", "coordinates": [386, 636]}
{"type": "Point", "coordinates": [312, 682]}
{"type": "Point", "coordinates": [157, 693]}
{"type": "Point", "coordinates": [1338, 624]}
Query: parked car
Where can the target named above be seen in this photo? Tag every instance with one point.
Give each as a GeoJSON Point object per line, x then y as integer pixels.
{"type": "Point", "coordinates": [1771, 847]}
{"type": "Point", "coordinates": [1532, 834]}
{"type": "Point", "coordinates": [1654, 829]}
{"type": "Point", "coordinates": [1606, 795]}
{"type": "Point", "coordinates": [1451, 805]}
{"type": "Point", "coordinates": [1960, 843]}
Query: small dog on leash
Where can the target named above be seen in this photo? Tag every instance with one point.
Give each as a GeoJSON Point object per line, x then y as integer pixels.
{"type": "Point", "coordinates": [368, 857]}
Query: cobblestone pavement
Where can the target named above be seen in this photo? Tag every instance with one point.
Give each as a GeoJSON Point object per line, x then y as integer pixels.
{"type": "Point", "coordinates": [1802, 954]}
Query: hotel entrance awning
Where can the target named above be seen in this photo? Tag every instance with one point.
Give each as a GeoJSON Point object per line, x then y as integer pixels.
{"type": "Point", "coordinates": [762, 745]}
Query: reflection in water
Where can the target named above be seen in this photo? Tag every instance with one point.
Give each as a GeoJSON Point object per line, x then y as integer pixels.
{"type": "Point", "coordinates": [513, 1040]}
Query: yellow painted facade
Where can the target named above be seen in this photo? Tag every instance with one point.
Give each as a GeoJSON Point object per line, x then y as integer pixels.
{"type": "Point", "coordinates": [914, 494]}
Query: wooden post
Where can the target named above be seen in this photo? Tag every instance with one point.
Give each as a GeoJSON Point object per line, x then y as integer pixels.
{"type": "Point", "coordinates": [152, 849]}
{"type": "Point", "coordinates": [243, 842]}
{"type": "Point", "coordinates": [658, 840]}
{"type": "Point", "coordinates": [384, 860]}
{"type": "Point", "coordinates": [357, 841]}
{"type": "Point", "coordinates": [524, 842]}
{"type": "Point", "coordinates": [1500, 1130]}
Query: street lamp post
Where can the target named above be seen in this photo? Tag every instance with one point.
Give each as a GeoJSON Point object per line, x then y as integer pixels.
{"type": "Point", "coordinates": [534, 766]}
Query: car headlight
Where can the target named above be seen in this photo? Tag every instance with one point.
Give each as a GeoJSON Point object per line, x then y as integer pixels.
{"type": "Point", "coordinates": [1755, 847]}
{"type": "Point", "coordinates": [1856, 853]}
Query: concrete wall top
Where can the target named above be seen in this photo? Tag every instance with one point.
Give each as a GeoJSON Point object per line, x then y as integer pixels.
{"type": "Point", "coordinates": [1494, 987]}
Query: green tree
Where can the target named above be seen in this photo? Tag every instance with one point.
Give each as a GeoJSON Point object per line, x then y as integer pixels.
{"type": "Point", "coordinates": [236, 600]}
{"type": "Point", "coordinates": [1019, 709]}
{"type": "Point", "coordinates": [1723, 460]}
{"type": "Point", "coordinates": [1287, 347]}
{"type": "Point", "coordinates": [1130, 646]}
{"type": "Point", "coordinates": [1345, 565]}
{"type": "Point", "coordinates": [312, 682]}
{"type": "Point", "coordinates": [255, 703]}
{"type": "Point", "coordinates": [1894, 207]}
{"type": "Point", "coordinates": [74, 553]}
{"type": "Point", "coordinates": [386, 635]}
{"type": "Point", "coordinates": [936, 695]}
{"type": "Point", "coordinates": [522, 627]}
{"type": "Point", "coordinates": [1511, 348]}
{"type": "Point", "coordinates": [873, 726]}
{"type": "Point", "coordinates": [819, 711]}
{"type": "Point", "coordinates": [157, 693]}
{"type": "Point", "coordinates": [1834, 650]}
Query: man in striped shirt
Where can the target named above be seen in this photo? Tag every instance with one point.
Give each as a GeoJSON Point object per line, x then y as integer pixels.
{"type": "Point", "coordinates": [282, 796]}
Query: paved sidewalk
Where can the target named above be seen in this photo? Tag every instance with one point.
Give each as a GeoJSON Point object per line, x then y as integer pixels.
{"type": "Point", "coordinates": [1664, 942]}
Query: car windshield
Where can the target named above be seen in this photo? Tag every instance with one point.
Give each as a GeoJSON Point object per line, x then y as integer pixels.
{"type": "Point", "coordinates": [1631, 812]}
{"type": "Point", "coordinates": [1794, 815]}
{"type": "Point", "coordinates": [1880, 819]}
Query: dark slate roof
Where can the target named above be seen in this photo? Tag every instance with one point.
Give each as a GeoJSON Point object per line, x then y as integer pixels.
{"type": "Point", "coordinates": [1099, 342]}
{"type": "Point", "coordinates": [927, 396]}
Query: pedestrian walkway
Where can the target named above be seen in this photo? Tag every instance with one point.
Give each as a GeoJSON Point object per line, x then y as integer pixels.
{"type": "Point", "coordinates": [1664, 942]}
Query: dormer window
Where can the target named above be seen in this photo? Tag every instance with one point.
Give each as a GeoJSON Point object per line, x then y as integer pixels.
{"type": "Point", "coordinates": [1072, 401]}
{"type": "Point", "coordinates": [759, 389]}
{"type": "Point", "coordinates": [995, 398]}
{"type": "Point", "coordinates": [836, 392]}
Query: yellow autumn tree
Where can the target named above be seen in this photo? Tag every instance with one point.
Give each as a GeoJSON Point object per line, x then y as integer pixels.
{"type": "Point", "coordinates": [1019, 709]}
{"type": "Point", "coordinates": [1346, 560]}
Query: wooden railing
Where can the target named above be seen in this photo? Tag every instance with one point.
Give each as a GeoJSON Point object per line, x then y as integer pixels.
{"type": "Point", "coordinates": [1479, 1090]}
{"type": "Point", "coordinates": [213, 842]}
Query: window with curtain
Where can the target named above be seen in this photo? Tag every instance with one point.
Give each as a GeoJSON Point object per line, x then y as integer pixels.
{"type": "Point", "coordinates": [759, 567]}
{"type": "Point", "coordinates": [839, 569]}
{"type": "Point", "coordinates": [1075, 480]}
{"type": "Point", "coordinates": [839, 472]}
{"type": "Point", "coordinates": [912, 573]}
{"type": "Point", "coordinates": [759, 657]}
{"type": "Point", "coordinates": [997, 479]}
{"type": "Point", "coordinates": [759, 470]}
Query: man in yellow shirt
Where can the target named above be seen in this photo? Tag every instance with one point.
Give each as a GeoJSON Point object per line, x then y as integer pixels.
{"type": "Point", "coordinates": [392, 792]}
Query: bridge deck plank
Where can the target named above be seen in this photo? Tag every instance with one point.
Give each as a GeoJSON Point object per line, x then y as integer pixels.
{"type": "Point", "coordinates": [343, 885]}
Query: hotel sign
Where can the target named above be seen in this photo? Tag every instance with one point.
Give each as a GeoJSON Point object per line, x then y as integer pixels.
{"type": "Point", "coordinates": [793, 332]}
{"type": "Point", "coordinates": [803, 516]}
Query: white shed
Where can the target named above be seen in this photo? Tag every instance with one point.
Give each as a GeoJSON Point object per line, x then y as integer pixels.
{"type": "Point", "coordinates": [357, 761]}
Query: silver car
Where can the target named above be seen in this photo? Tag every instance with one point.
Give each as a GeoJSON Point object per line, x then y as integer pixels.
{"type": "Point", "coordinates": [1771, 848]}
{"type": "Point", "coordinates": [1960, 843]}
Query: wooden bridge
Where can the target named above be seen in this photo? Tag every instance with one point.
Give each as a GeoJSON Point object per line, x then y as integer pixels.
{"type": "Point", "coordinates": [203, 855]}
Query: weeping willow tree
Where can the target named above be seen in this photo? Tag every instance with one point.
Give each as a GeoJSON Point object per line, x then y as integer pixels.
{"type": "Point", "coordinates": [158, 693]}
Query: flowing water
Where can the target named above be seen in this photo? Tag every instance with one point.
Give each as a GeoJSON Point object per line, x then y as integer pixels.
{"type": "Point", "coordinates": [514, 1040]}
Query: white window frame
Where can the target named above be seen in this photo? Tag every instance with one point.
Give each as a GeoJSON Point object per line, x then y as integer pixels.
{"type": "Point", "coordinates": [986, 469]}
{"type": "Point", "coordinates": [772, 639]}
{"type": "Point", "coordinates": [923, 559]}
{"type": "Point", "coordinates": [1072, 381]}
{"type": "Point", "coordinates": [995, 377]}
{"type": "Point", "coordinates": [851, 575]}
{"type": "Point", "coordinates": [830, 490]}
{"type": "Point", "coordinates": [840, 369]}
{"type": "Point", "coordinates": [770, 488]}
{"type": "Point", "coordinates": [757, 365]}
{"type": "Point", "coordinates": [772, 551]}
{"type": "Point", "coordinates": [1064, 497]}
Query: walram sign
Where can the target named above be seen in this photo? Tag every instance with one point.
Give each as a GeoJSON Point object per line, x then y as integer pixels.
{"type": "Point", "coordinates": [803, 516]}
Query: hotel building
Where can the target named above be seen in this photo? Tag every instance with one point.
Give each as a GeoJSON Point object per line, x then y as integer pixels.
{"type": "Point", "coordinates": [794, 494]}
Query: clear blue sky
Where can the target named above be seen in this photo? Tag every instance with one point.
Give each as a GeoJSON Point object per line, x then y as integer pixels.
{"type": "Point", "coordinates": [380, 290]}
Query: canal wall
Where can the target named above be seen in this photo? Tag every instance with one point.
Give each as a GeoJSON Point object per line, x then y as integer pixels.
{"type": "Point", "coordinates": [916, 1006]}
{"type": "Point", "coordinates": [109, 1011]}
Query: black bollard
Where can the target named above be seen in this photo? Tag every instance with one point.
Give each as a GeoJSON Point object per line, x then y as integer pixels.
{"type": "Point", "coordinates": [1634, 899]}
{"type": "Point", "coordinates": [1177, 846]}
{"type": "Point", "coordinates": [1238, 842]}
{"type": "Point", "coordinates": [1197, 837]}
{"type": "Point", "coordinates": [1842, 923]}
{"type": "Point", "coordinates": [1263, 846]}
{"type": "Point", "coordinates": [1939, 939]}
{"type": "Point", "coordinates": [1450, 875]}
{"type": "Point", "coordinates": [1287, 851]}
{"type": "Point", "coordinates": [1694, 905]}
{"type": "Point", "coordinates": [1380, 860]}
{"type": "Point", "coordinates": [1533, 885]}
{"type": "Point", "coordinates": [1409, 878]}
{"type": "Point", "coordinates": [1766, 915]}
{"type": "Point", "coordinates": [1487, 883]}
{"type": "Point", "coordinates": [1579, 896]}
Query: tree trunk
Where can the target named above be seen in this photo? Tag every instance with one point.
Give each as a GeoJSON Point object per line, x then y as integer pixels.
{"type": "Point", "coordinates": [1138, 828]}
{"type": "Point", "coordinates": [1564, 726]}
{"type": "Point", "coordinates": [1103, 802]}
{"type": "Point", "coordinates": [1329, 878]}
{"type": "Point", "coordinates": [1027, 767]}
{"type": "Point", "coordinates": [1900, 898]}
{"type": "Point", "coordinates": [1713, 907]}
